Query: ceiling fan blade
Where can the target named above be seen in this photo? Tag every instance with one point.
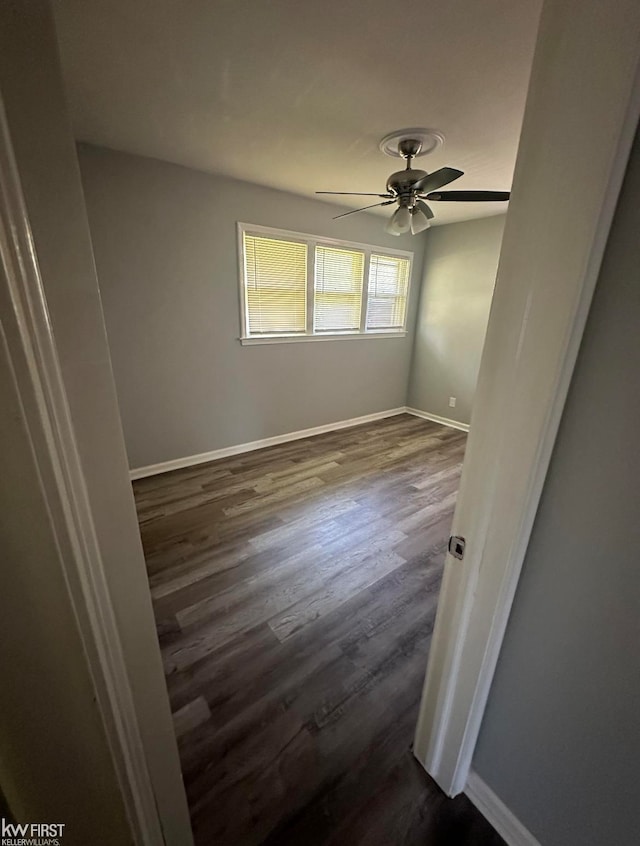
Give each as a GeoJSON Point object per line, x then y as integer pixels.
{"type": "Point", "coordinates": [355, 211]}
{"type": "Point", "coordinates": [437, 179]}
{"type": "Point", "coordinates": [353, 194]}
{"type": "Point", "coordinates": [469, 196]}
{"type": "Point", "coordinates": [425, 208]}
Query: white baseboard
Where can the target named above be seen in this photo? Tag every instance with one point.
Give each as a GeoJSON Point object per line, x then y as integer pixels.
{"type": "Point", "coordinates": [204, 457]}
{"type": "Point", "coordinates": [435, 418]}
{"type": "Point", "coordinates": [496, 812]}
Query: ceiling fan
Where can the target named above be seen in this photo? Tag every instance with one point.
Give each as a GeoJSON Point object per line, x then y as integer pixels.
{"type": "Point", "coordinates": [409, 188]}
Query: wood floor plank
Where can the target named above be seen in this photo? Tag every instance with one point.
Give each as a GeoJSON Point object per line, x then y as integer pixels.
{"type": "Point", "coordinates": [191, 715]}
{"type": "Point", "coordinates": [357, 577]}
{"type": "Point", "coordinates": [286, 492]}
{"type": "Point", "coordinates": [309, 520]}
{"type": "Point", "coordinates": [295, 592]}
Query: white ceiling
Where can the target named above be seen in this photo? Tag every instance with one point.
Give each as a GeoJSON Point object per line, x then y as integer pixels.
{"type": "Point", "coordinates": [295, 94]}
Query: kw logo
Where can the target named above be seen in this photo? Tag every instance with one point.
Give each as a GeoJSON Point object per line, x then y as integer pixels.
{"type": "Point", "coordinates": [31, 834]}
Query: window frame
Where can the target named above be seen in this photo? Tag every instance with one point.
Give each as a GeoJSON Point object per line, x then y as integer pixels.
{"type": "Point", "coordinates": [312, 241]}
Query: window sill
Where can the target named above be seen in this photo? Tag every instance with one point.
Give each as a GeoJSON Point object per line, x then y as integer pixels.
{"type": "Point", "coordinates": [340, 336]}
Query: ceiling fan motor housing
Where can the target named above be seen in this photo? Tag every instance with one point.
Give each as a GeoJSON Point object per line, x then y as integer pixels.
{"type": "Point", "coordinates": [402, 183]}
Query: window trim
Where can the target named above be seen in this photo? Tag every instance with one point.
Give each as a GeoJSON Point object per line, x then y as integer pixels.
{"type": "Point", "coordinates": [311, 242]}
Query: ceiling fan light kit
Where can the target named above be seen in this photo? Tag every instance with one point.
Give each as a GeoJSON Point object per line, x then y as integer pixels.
{"type": "Point", "coordinates": [419, 220]}
{"type": "Point", "coordinates": [409, 188]}
{"type": "Point", "coordinates": [399, 222]}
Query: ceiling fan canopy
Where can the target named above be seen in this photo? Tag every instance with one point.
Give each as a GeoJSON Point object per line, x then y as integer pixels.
{"type": "Point", "coordinates": [411, 187]}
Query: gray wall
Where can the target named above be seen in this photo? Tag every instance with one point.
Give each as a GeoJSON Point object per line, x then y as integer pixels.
{"type": "Point", "coordinates": [459, 275]}
{"type": "Point", "coordinates": [166, 252]}
{"type": "Point", "coordinates": [560, 741]}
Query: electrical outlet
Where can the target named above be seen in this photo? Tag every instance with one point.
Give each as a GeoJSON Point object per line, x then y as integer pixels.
{"type": "Point", "coordinates": [452, 402]}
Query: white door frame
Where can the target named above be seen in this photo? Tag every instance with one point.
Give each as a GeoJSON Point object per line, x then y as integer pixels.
{"type": "Point", "coordinates": [582, 110]}
{"type": "Point", "coordinates": [28, 343]}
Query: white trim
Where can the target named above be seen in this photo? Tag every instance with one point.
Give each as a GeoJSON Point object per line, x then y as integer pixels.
{"type": "Point", "coordinates": [310, 293]}
{"type": "Point", "coordinates": [242, 275]}
{"type": "Point", "coordinates": [535, 328]}
{"type": "Point", "coordinates": [364, 302]}
{"type": "Point", "coordinates": [311, 242]}
{"type": "Point", "coordinates": [435, 418]}
{"type": "Point", "coordinates": [225, 452]}
{"type": "Point", "coordinates": [496, 812]}
{"type": "Point", "coordinates": [32, 354]}
{"type": "Point", "coordinates": [305, 237]}
{"type": "Point", "coordinates": [333, 336]}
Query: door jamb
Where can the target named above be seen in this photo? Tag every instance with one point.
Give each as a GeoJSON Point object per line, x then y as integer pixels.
{"type": "Point", "coordinates": [497, 517]}
{"type": "Point", "coordinates": [26, 334]}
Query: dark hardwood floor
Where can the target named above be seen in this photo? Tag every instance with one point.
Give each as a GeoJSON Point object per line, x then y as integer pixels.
{"type": "Point", "coordinates": [295, 591]}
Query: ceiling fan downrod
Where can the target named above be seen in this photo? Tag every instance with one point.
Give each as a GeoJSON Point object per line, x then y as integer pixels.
{"type": "Point", "coordinates": [409, 148]}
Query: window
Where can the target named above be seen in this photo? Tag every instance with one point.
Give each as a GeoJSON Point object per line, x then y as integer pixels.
{"type": "Point", "coordinates": [388, 289]}
{"type": "Point", "coordinates": [276, 285]}
{"type": "Point", "coordinates": [337, 297]}
{"type": "Point", "coordinates": [297, 287]}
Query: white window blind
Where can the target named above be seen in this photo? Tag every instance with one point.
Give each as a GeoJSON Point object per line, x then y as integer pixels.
{"type": "Point", "coordinates": [276, 285]}
{"type": "Point", "coordinates": [338, 289]}
{"type": "Point", "coordinates": [388, 289]}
